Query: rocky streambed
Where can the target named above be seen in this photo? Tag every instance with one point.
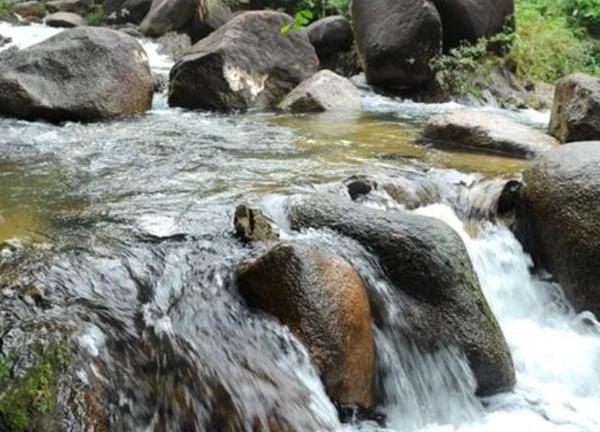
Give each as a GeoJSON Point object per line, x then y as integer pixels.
{"type": "Point", "coordinates": [380, 278]}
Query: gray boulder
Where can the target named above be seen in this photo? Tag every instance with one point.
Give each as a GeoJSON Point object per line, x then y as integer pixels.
{"type": "Point", "coordinates": [247, 63]}
{"type": "Point", "coordinates": [562, 205]}
{"type": "Point", "coordinates": [470, 20]}
{"type": "Point", "coordinates": [576, 109]}
{"type": "Point", "coordinates": [488, 132]}
{"type": "Point", "coordinates": [168, 15]}
{"type": "Point", "coordinates": [330, 35]}
{"type": "Point", "coordinates": [80, 7]}
{"type": "Point", "coordinates": [64, 19]}
{"type": "Point", "coordinates": [436, 285]}
{"type": "Point", "coordinates": [83, 74]}
{"type": "Point", "coordinates": [323, 301]}
{"type": "Point", "coordinates": [324, 91]}
{"type": "Point", "coordinates": [126, 11]}
{"type": "Point", "coordinates": [30, 9]}
{"type": "Point", "coordinates": [397, 40]}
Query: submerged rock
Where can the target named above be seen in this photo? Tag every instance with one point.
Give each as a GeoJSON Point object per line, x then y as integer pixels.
{"type": "Point", "coordinates": [562, 204]}
{"type": "Point", "coordinates": [397, 40]}
{"type": "Point", "coordinates": [488, 132]}
{"type": "Point", "coordinates": [64, 19]}
{"type": "Point", "coordinates": [84, 74]}
{"type": "Point", "coordinates": [470, 20]}
{"type": "Point", "coordinates": [322, 299]}
{"type": "Point", "coordinates": [576, 109]}
{"type": "Point", "coordinates": [324, 91]}
{"type": "Point", "coordinates": [229, 69]}
{"type": "Point", "coordinates": [436, 286]}
{"type": "Point", "coordinates": [251, 224]}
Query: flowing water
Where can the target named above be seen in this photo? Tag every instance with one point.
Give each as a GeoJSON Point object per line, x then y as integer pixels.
{"type": "Point", "coordinates": [118, 235]}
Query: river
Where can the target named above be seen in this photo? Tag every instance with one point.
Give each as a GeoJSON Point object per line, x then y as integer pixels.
{"type": "Point", "coordinates": [125, 229]}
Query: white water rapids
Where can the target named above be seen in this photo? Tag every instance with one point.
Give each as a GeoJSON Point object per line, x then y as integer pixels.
{"type": "Point", "coordinates": [556, 352]}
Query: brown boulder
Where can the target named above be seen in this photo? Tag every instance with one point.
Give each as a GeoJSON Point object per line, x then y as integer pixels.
{"type": "Point", "coordinates": [576, 109]}
{"type": "Point", "coordinates": [251, 225]}
{"type": "Point", "coordinates": [322, 299]}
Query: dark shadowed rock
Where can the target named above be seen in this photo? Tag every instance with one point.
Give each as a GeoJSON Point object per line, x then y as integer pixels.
{"type": "Point", "coordinates": [79, 7]}
{"type": "Point", "coordinates": [247, 63]}
{"type": "Point", "coordinates": [330, 35]}
{"type": "Point", "coordinates": [64, 19]}
{"type": "Point", "coordinates": [436, 285]}
{"type": "Point", "coordinates": [576, 109]}
{"type": "Point", "coordinates": [126, 11]}
{"type": "Point", "coordinates": [84, 74]}
{"type": "Point", "coordinates": [562, 204]}
{"type": "Point", "coordinates": [488, 132]}
{"type": "Point", "coordinates": [30, 9]}
{"type": "Point", "coordinates": [251, 224]}
{"type": "Point", "coordinates": [470, 20]}
{"type": "Point", "coordinates": [323, 300]}
{"type": "Point", "coordinates": [168, 15]}
{"type": "Point", "coordinates": [360, 185]}
{"type": "Point", "coordinates": [324, 91]}
{"type": "Point", "coordinates": [210, 16]}
{"type": "Point", "coordinates": [397, 39]}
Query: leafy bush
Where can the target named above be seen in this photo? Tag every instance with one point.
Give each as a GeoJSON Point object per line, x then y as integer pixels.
{"type": "Point", "coordinates": [96, 17]}
{"type": "Point", "coordinates": [546, 46]}
{"type": "Point", "coordinates": [584, 13]}
{"type": "Point", "coordinates": [5, 7]}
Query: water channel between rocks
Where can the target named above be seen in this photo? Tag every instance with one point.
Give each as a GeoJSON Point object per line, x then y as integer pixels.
{"type": "Point", "coordinates": [125, 228]}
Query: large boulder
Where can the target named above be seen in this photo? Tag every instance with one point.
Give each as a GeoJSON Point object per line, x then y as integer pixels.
{"type": "Point", "coordinates": [397, 40]}
{"type": "Point", "coordinates": [323, 301]}
{"type": "Point", "coordinates": [470, 20]}
{"type": "Point", "coordinates": [435, 284]}
{"type": "Point", "coordinates": [562, 203]}
{"type": "Point", "coordinates": [83, 74]}
{"type": "Point", "coordinates": [330, 35]}
{"type": "Point", "coordinates": [324, 91]}
{"type": "Point", "coordinates": [247, 63]}
{"type": "Point", "coordinates": [80, 7]}
{"type": "Point", "coordinates": [168, 15]}
{"type": "Point", "coordinates": [576, 110]}
{"type": "Point", "coordinates": [132, 11]}
{"type": "Point", "coordinates": [64, 19]}
{"type": "Point", "coordinates": [209, 18]}
{"type": "Point", "coordinates": [488, 132]}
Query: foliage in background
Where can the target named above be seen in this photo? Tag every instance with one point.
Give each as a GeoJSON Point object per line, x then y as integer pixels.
{"type": "Point", "coordinates": [5, 7]}
{"type": "Point", "coordinates": [96, 17]}
{"type": "Point", "coordinates": [549, 43]}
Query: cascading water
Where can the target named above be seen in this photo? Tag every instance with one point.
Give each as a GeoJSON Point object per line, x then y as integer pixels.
{"type": "Point", "coordinates": [127, 238]}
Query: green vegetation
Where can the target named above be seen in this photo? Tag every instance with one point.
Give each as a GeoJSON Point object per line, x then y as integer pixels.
{"type": "Point", "coordinates": [30, 398]}
{"type": "Point", "coordinates": [96, 17]}
{"type": "Point", "coordinates": [551, 41]}
{"type": "Point", "coordinates": [5, 7]}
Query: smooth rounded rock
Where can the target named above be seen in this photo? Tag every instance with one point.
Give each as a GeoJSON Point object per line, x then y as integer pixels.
{"type": "Point", "coordinates": [562, 205]}
{"type": "Point", "coordinates": [64, 19]}
{"type": "Point", "coordinates": [322, 299]}
{"type": "Point", "coordinates": [83, 74]}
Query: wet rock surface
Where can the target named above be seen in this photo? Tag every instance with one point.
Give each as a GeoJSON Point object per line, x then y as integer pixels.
{"type": "Point", "coordinates": [322, 299]}
{"type": "Point", "coordinates": [429, 266]}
